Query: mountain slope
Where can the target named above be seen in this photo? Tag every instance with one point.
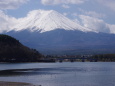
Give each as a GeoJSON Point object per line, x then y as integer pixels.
{"type": "Point", "coordinates": [41, 20]}
{"type": "Point", "coordinates": [67, 41]}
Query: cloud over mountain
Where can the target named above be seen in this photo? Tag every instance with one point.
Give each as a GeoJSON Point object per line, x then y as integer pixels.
{"type": "Point", "coordinates": [94, 24]}
{"type": "Point", "coordinates": [6, 22]}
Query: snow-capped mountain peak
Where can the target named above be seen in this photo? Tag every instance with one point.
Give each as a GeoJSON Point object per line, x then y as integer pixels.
{"type": "Point", "coordinates": [42, 20]}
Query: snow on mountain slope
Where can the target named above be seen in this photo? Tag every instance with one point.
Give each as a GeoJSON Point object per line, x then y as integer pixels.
{"type": "Point", "coordinates": [42, 20]}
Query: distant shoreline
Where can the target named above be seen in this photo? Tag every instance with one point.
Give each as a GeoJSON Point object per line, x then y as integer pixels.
{"type": "Point", "coordinates": [5, 83]}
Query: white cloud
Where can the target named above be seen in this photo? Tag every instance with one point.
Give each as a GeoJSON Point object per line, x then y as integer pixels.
{"type": "Point", "coordinates": [11, 4]}
{"type": "Point", "coordinates": [56, 2]}
{"type": "Point", "coordinates": [95, 14]}
{"type": "Point", "coordinates": [94, 24]}
{"type": "Point", "coordinates": [6, 22]}
{"type": "Point", "coordinates": [108, 3]}
{"type": "Point", "coordinates": [112, 28]}
{"type": "Point", "coordinates": [65, 6]}
{"type": "Point", "coordinates": [92, 13]}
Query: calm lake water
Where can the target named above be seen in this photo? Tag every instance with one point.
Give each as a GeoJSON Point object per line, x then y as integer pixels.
{"type": "Point", "coordinates": [60, 74]}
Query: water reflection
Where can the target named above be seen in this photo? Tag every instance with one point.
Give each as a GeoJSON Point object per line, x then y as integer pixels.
{"type": "Point", "coordinates": [22, 72]}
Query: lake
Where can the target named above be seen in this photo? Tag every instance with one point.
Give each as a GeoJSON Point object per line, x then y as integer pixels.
{"type": "Point", "coordinates": [60, 74]}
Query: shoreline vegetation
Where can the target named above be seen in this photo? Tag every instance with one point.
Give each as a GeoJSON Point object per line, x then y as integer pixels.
{"type": "Point", "coordinates": [5, 83]}
{"type": "Point", "coordinates": [83, 58]}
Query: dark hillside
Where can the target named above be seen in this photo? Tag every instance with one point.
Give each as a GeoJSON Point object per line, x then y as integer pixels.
{"type": "Point", "coordinates": [11, 50]}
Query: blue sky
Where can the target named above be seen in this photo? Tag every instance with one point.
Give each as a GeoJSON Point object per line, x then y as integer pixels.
{"type": "Point", "coordinates": [89, 13]}
{"type": "Point", "coordinates": [85, 7]}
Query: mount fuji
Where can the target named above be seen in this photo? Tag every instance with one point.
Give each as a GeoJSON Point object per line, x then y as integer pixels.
{"type": "Point", "coordinates": [43, 21]}
{"type": "Point", "coordinates": [52, 33]}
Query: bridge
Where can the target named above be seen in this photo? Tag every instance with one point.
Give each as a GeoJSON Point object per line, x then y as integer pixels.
{"type": "Point", "coordinates": [75, 60]}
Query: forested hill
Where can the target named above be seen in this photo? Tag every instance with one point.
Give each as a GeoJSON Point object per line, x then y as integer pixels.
{"type": "Point", "coordinates": [11, 50]}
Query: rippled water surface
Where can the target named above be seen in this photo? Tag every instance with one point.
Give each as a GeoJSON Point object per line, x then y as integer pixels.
{"type": "Point", "coordinates": [60, 74]}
